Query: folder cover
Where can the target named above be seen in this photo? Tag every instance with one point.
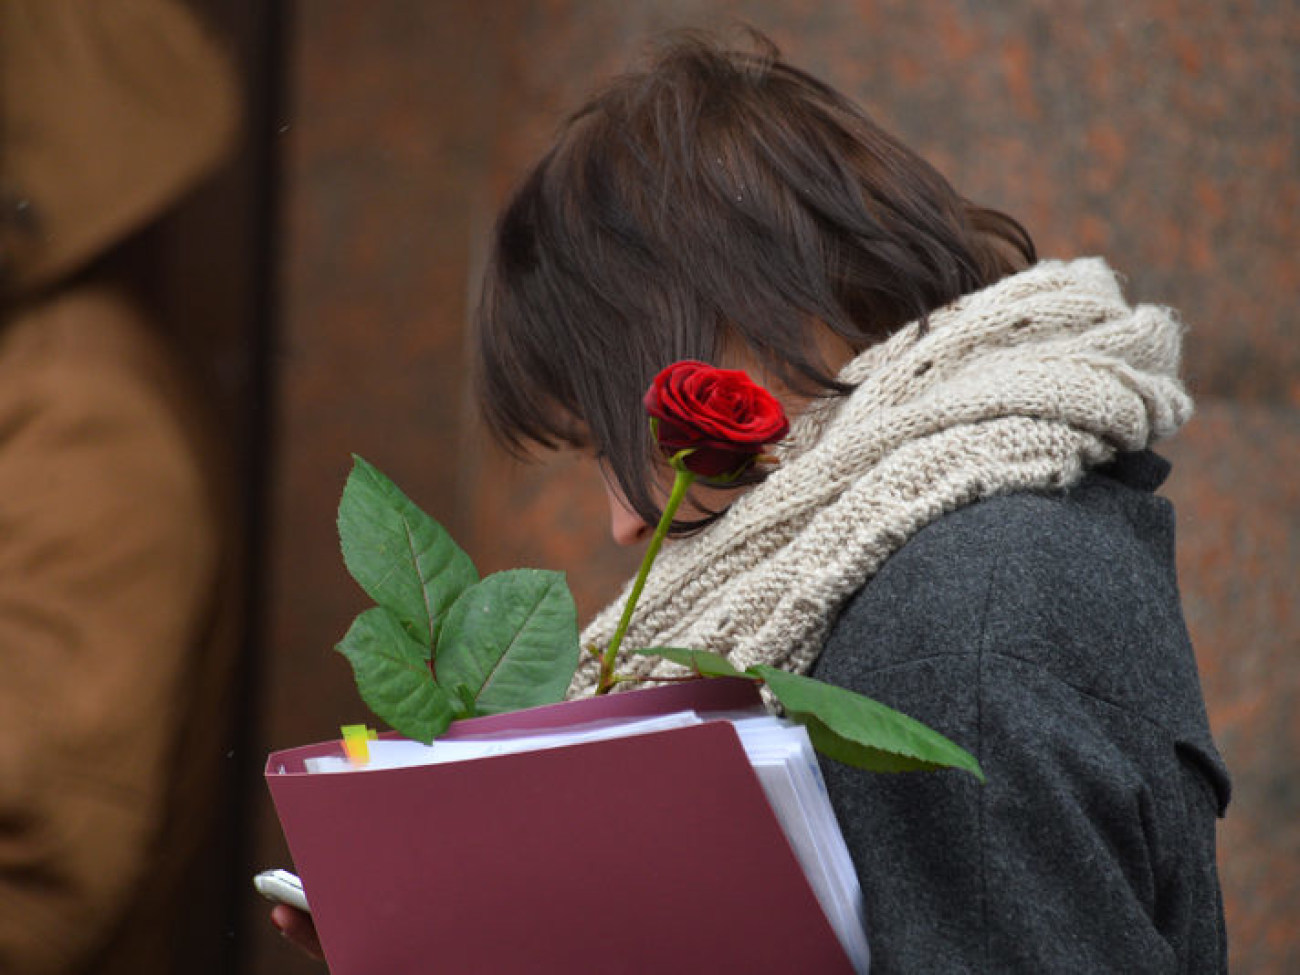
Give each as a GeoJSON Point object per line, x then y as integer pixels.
{"type": "Point", "coordinates": [647, 854]}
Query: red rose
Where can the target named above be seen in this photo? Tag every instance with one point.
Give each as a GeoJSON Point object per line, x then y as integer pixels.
{"type": "Point", "coordinates": [722, 415]}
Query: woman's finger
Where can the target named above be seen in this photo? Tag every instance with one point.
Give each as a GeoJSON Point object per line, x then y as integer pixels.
{"type": "Point", "coordinates": [297, 926]}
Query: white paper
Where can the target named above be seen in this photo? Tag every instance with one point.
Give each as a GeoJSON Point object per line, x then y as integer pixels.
{"type": "Point", "coordinates": [389, 753]}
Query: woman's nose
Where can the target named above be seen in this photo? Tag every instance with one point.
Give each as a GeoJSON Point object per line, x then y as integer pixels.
{"type": "Point", "coordinates": [627, 527]}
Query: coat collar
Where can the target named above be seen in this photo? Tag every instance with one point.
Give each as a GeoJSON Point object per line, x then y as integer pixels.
{"type": "Point", "coordinates": [109, 112]}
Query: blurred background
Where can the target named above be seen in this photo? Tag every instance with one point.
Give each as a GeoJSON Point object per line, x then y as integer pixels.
{"type": "Point", "coordinates": [324, 277]}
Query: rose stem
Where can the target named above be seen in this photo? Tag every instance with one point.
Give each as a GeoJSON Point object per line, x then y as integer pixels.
{"type": "Point", "coordinates": [681, 483]}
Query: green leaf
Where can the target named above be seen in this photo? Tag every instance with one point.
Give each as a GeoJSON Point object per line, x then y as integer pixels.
{"type": "Point", "coordinates": [466, 706]}
{"type": "Point", "coordinates": [401, 557]}
{"type": "Point", "coordinates": [706, 663]}
{"type": "Point", "coordinates": [858, 731]}
{"type": "Point", "coordinates": [512, 640]}
{"type": "Point", "coordinates": [392, 674]}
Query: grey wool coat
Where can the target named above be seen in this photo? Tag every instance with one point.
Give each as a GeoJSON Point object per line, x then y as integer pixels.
{"type": "Point", "coordinates": [1044, 633]}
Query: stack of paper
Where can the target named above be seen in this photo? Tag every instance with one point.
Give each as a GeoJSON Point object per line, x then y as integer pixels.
{"type": "Point", "coordinates": [779, 751]}
{"type": "Point", "coordinates": [660, 816]}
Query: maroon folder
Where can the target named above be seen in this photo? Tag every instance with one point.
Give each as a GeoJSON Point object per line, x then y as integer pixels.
{"type": "Point", "coordinates": [653, 853]}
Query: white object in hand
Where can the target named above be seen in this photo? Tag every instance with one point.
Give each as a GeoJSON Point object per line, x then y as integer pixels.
{"type": "Point", "coordinates": [282, 887]}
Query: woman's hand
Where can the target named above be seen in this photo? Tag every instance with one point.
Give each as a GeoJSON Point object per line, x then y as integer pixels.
{"type": "Point", "coordinates": [297, 926]}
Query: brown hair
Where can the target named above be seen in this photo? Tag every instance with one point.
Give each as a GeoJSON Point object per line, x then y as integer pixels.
{"type": "Point", "coordinates": [717, 196]}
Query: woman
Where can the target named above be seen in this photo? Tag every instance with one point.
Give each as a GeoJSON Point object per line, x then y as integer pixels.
{"type": "Point", "coordinates": [961, 523]}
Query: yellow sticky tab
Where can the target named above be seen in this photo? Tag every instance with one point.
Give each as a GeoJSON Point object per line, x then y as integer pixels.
{"type": "Point", "coordinates": [356, 738]}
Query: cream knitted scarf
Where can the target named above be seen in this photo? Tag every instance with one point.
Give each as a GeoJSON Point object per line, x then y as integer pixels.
{"type": "Point", "coordinates": [1021, 386]}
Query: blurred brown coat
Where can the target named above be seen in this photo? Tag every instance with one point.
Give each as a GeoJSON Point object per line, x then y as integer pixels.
{"type": "Point", "coordinates": [115, 627]}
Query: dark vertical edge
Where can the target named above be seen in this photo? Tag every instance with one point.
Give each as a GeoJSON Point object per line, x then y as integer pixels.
{"type": "Point", "coordinates": [265, 100]}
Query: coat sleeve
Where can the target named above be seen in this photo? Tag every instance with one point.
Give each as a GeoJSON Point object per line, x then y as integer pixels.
{"type": "Point", "coordinates": [1091, 847]}
{"type": "Point", "coordinates": [106, 562]}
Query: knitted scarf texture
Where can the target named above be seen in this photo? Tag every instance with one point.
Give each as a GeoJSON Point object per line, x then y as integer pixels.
{"type": "Point", "coordinates": [1023, 386]}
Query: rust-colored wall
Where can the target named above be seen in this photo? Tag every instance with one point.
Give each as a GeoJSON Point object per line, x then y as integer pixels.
{"type": "Point", "coordinates": [1162, 135]}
